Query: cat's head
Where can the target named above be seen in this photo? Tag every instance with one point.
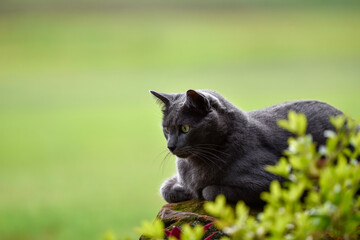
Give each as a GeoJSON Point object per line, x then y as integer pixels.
{"type": "Point", "coordinates": [193, 124]}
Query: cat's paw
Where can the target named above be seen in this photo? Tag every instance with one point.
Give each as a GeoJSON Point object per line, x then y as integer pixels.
{"type": "Point", "coordinates": [176, 195]}
{"type": "Point", "coordinates": [174, 192]}
{"type": "Point", "coordinates": [209, 193]}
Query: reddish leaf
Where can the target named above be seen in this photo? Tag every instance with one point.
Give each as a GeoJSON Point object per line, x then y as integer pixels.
{"type": "Point", "coordinates": [209, 237]}
{"type": "Point", "coordinates": [175, 232]}
{"type": "Point", "coordinates": [167, 233]}
{"type": "Point", "coordinates": [207, 226]}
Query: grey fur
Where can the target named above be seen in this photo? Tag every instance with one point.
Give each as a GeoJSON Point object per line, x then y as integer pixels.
{"type": "Point", "coordinates": [226, 150]}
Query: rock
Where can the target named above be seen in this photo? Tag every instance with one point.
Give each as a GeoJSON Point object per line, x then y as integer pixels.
{"type": "Point", "coordinates": [184, 212]}
{"type": "Point", "coordinates": [189, 212]}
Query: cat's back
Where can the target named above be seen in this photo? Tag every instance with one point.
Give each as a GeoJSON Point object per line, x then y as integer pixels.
{"type": "Point", "coordinates": [312, 109]}
{"type": "Point", "coordinates": [317, 113]}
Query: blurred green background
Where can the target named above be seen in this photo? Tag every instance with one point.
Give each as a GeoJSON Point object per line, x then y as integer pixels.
{"type": "Point", "coordinates": [81, 148]}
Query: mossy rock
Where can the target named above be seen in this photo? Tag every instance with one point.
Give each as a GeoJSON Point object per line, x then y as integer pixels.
{"type": "Point", "coordinates": [184, 212]}
{"type": "Point", "coordinates": [190, 212]}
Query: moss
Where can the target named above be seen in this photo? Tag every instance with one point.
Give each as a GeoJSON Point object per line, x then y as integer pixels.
{"type": "Point", "coordinates": [194, 206]}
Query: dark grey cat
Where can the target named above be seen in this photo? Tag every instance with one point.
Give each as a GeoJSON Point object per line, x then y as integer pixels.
{"type": "Point", "coordinates": [223, 150]}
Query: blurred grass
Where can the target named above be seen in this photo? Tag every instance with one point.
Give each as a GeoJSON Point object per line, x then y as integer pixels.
{"type": "Point", "coordinates": [80, 142]}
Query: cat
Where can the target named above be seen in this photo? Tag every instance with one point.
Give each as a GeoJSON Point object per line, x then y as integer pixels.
{"type": "Point", "coordinates": [221, 149]}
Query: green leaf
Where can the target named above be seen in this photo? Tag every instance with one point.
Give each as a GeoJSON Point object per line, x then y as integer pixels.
{"type": "Point", "coordinates": [242, 213]}
{"type": "Point", "coordinates": [295, 192]}
{"type": "Point", "coordinates": [215, 208]}
{"type": "Point", "coordinates": [154, 230]}
{"type": "Point", "coordinates": [296, 123]}
{"type": "Point", "coordinates": [282, 168]}
{"type": "Point", "coordinates": [220, 209]}
{"type": "Point", "coordinates": [275, 194]}
{"type": "Point", "coordinates": [338, 121]}
{"type": "Point", "coordinates": [189, 233]}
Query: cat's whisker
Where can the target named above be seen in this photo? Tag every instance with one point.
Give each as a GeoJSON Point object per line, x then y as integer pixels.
{"type": "Point", "coordinates": [203, 158]}
{"type": "Point", "coordinates": [210, 162]}
{"type": "Point", "coordinates": [161, 166]}
{"type": "Point", "coordinates": [212, 147]}
{"type": "Point", "coordinates": [215, 156]}
{"type": "Point", "coordinates": [212, 150]}
{"type": "Point", "coordinates": [209, 145]}
{"type": "Point", "coordinates": [164, 161]}
{"type": "Point", "coordinates": [207, 157]}
{"type": "Point", "coordinates": [165, 151]}
{"type": "Point", "coordinates": [216, 161]}
{"type": "Point", "coordinates": [159, 154]}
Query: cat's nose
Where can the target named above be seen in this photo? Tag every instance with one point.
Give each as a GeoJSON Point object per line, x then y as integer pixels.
{"type": "Point", "coordinates": [171, 148]}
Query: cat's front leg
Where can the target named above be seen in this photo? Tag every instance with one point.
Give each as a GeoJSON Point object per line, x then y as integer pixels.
{"type": "Point", "coordinates": [232, 194]}
{"type": "Point", "coordinates": [172, 191]}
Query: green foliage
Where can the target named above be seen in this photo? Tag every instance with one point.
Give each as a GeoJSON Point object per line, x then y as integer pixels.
{"type": "Point", "coordinates": [154, 230]}
{"type": "Point", "coordinates": [220, 210]}
{"type": "Point", "coordinates": [189, 233]}
{"type": "Point", "coordinates": [318, 201]}
{"type": "Point", "coordinates": [296, 123]}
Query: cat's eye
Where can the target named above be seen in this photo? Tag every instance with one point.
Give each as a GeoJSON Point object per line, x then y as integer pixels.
{"type": "Point", "coordinates": [166, 129]}
{"type": "Point", "coordinates": [185, 128]}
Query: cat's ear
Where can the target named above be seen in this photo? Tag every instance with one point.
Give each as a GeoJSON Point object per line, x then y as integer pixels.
{"type": "Point", "coordinates": [163, 97]}
{"type": "Point", "coordinates": [197, 100]}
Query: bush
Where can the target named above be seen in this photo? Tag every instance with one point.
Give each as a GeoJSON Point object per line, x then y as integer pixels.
{"type": "Point", "coordinates": [319, 200]}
